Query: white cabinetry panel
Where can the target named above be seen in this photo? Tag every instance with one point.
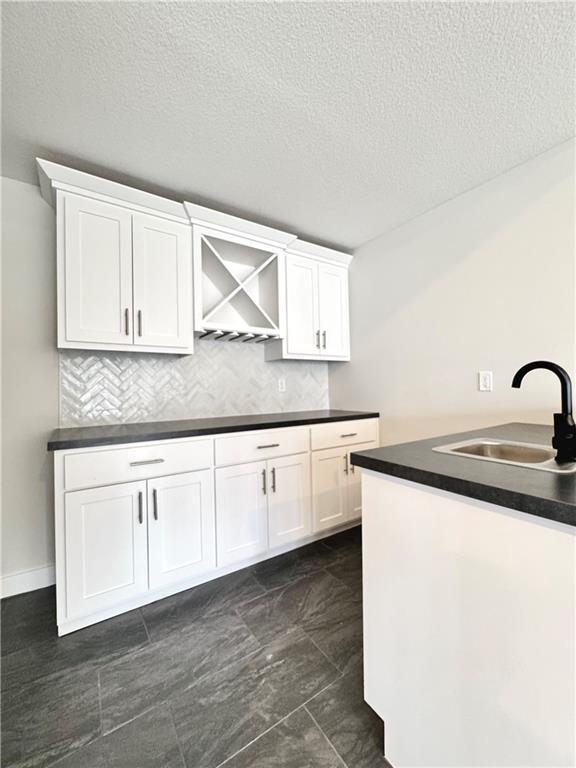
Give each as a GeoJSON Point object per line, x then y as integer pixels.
{"type": "Point", "coordinates": [354, 491]}
{"type": "Point", "coordinates": [98, 271]}
{"type": "Point", "coordinates": [333, 303]}
{"type": "Point", "coordinates": [162, 282]}
{"type": "Point", "coordinates": [289, 512]}
{"type": "Point", "coordinates": [302, 326]}
{"type": "Point", "coordinates": [241, 512]}
{"type": "Point", "coordinates": [106, 550]}
{"type": "Point", "coordinates": [329, 482]}
{"type": "Point", "coordinates": [181, 535]}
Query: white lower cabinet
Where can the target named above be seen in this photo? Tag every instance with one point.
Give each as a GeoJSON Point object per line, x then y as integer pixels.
{"type": "Point", "coordinates": [289, 500]}
{"type": "Point", "coordinates": [242, 512]}
{"type": "Point", "coordinates": [106, 547]}
{"type": "Point", "coordinates": [125, 542]}
{"type": "Point", "coordinates": [329, 488]}
{"type": "Point", "coordinates": [181, 535]}
{"type": "Point", "coordinates": [336, 488]}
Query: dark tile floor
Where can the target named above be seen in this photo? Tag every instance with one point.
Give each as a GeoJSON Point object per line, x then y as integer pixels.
{"type": "Point", "coordinates": [260, 668]}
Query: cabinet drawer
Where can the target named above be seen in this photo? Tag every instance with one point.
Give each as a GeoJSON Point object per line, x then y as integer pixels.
{"type": "Point", "coordinates": [339, 433]}
{"type": "Point", "coordinates": [238, 449]}
{"type": "Point", "coordinates": [120, 465]}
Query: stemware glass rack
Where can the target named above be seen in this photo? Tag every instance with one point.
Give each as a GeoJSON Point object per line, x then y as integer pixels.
{"type": "Point", "coordinates": [237, 287]}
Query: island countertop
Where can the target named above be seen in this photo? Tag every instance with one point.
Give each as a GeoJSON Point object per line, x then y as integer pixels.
{"type": "Point", "coordinates": [545, 494]}
{"type": "Point", "coordinates": [114, 434]}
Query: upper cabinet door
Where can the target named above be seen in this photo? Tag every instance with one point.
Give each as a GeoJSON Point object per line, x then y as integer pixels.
{"type": "Point", "coordinates": [98, 271]}
{"type": "Point", "coordinates": [162, 252]}
{"type": "Point", "coordinates": [302, 326]}
{"type": "Point", "coordinates": [333, 299]}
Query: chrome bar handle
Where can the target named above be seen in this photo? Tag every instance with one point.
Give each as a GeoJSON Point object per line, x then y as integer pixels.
{"type": "Point", "coordinates": [270, 445]}
{"type": "Point", "coordinates": [264, 491]}
{"type": "Point", "coordinates": [127, 321]}
{"type": "Point", "coordinates": [323, 339]}
{"type": "Point", "coordinates": [155, 503]}
{"type": "Point", "coordinates": [147, 461]}
{"type": "Point", "coordinates": [139, 322]}
{"type": "Point", "coordinates": [274, 479]}
{"type": "Point", "coordinates": [140, 508]}
{"type": "Point", "coordinates": [318, 339]}
{"type": "Point", "coordinates": [346, 464]}
{"type": "Point", "coordinates": [349, 434]}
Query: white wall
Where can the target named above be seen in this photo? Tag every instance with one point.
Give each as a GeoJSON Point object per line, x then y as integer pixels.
{"type": "Point", "coordinates": [485, 281]}
{"type": "Point", "coordinates": [29, 383]}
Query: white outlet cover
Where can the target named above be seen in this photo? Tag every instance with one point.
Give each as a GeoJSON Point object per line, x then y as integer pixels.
{"type": "Point", "coordinates": [282, 384]}
{"type": "Point", "coordinates": [485, 381]}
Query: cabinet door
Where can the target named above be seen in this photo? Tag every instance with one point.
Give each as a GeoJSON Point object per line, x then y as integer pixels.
{"type": "Point", "coordinates": [106, 547]}
{"type": "Point", "coordinates": [181, 527]}
{"type": "Point", "coordinates": [333, 302]}
{"type": "Point", "coordinates": [329, 486]}
{"type": "Point", "coordinates": [354, 491]}
{"type": "Point", "coordinates": [241, 512]}
{"type": "Point", "coordinates": [289, 511]}
{"type": "Point", "coordinates": [302, 325]}
{"type": "Point", "coordinates": [98, 271]}
{"type": "Point", "coordinates": [162, 253]}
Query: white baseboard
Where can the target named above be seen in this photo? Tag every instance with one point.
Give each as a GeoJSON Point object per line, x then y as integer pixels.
{"type": "Point", "coordinates": [26, 581]}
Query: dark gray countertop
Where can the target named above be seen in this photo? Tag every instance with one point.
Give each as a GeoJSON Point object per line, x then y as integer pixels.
{"type": "Point", "coordinates": [113, 434]}
{"type": "Point", "coordinates": [545, 494]}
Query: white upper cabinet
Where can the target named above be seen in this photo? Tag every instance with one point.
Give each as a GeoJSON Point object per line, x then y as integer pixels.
{"type": "Point", "coordinates": [162, 282]}
{"type": "Point", "coordinates": [333, 303]}
{"type": "Point", "coordinates": [303, 324]}
{"type": "Point", "coordinates": [124, 265]}
{"type": "Point", "coordinates": [97, 272]}
{"type": "Point", "coordinates": [316, 305]}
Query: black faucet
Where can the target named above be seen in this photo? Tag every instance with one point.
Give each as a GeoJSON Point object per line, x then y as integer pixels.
{"type": "Point", "coordinates": [564, 440]}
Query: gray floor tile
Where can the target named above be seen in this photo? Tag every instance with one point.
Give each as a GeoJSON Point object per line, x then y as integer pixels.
{"type": "Point", "coordinates": [226, 710]}
{"type": "Point", "coordinates": [347, 542]}
{"type": "Point", "coordinates": [341, 641]}
{"type": "Point", "coordinates": [317, 601]}
{"type": "Point", "coordinates": [349, 571]}
{"type": "Point", "coordinates": [353, 728]}
{"type": "Point", "coordinates": [284, 569]}
{"type": "Point", "coordinates": [146, 677]}
{"type": "Point", "coordinates": [148, 742]}
{"type": "Point", "coordinates": [220, 595]}
{"type": "Point", "coordinates": [294, 743]}
{"type": "Point", "coordinates": [44, 720]}
{"type": "Point", "coordinates": [95, 645]}
{"type": "Point", "coordinates": [28, 619]}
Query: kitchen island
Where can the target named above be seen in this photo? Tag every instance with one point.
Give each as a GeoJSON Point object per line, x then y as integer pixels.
{"type": "Point", "coordinates": [470, 604]}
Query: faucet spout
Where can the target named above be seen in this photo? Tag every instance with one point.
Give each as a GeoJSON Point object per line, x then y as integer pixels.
{"type": "Point", "coordinates": [564, 440]}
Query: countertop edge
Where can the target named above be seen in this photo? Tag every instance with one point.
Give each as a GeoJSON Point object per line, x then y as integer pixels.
{"type": "Point", "coordinates": [547, 509]}
{"type": "Point", "coordinates": [175, 434]}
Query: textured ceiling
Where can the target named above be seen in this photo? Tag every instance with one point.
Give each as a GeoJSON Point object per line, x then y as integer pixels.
{"type": "Point", "coordinates": [335, 120]}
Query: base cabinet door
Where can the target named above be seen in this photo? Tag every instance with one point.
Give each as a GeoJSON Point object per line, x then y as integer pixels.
{"type": "Point", "coordinates": [181, 528]}
{"type": "Point", "coordinates": [329, 488]}
{"type": "Point", "coordinates": [290, 508]}
{"type": "Point", "coordinates": [241, 512]}
{"type": "Point", "coordinates": [354, 490]}
{"type": "Point", "coordinates": [106, 547]}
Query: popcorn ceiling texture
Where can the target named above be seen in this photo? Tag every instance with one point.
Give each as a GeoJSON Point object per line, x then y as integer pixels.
{"type": "Point", "coordinates": [220, 379]}
{"type": "Point", "coordinates": [334, 120]}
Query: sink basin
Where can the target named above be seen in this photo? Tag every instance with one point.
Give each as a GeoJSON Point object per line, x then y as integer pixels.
{"type": "Point", "coordinates": [508, 452]}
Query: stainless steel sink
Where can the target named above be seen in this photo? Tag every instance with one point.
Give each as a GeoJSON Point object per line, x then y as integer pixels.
{"type": "Point", "coordinates": [507, 452]}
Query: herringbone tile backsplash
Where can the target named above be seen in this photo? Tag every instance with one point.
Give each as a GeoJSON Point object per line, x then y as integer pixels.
{"type": "Point", "coordinates": [220, 379]}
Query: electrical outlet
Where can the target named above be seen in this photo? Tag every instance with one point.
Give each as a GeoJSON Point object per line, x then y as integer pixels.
{"type": "Point", "coordinates": [282, 384]}
{"type": "Point", "coordinates": [485, 381]}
